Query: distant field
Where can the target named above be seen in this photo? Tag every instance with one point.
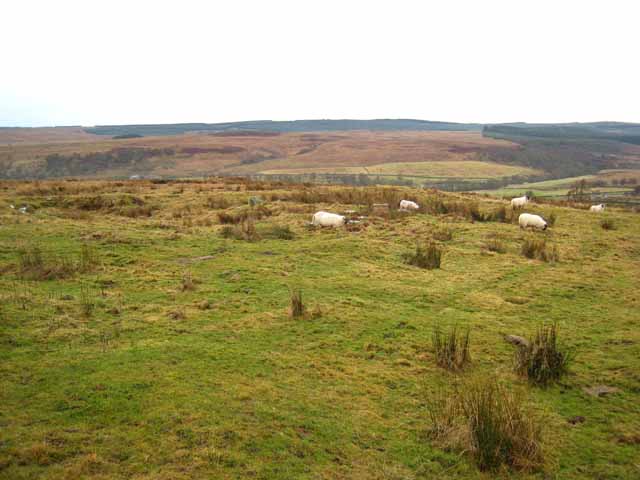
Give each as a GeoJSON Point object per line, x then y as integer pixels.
{"type": "Point", "coordinates": [45, 135]}
{"type": "Point", "coordinates": [459, 169]}
{"type": "Point", "coordinates": [562, 185]}
{"type": "Point", "coordinates": [141, 338]}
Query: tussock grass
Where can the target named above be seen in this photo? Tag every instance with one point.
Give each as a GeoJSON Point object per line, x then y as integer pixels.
{"type": "Point", "coordinates": [366, 351]}
{"type": "Point", "coordinates": [244, 231]}
{"type": "Point", "coordinates": [280, 232]}
{"type": "Point", "coordinates": [495, 245]}
{"type": "Point", "coordinates": [537, 248]}
{"type": "Point", "coordinates": [543, 361]}
{"type": "Point", "coordinates": [36, 264]}
{"type": "Point", "coordinates": [551, 219]}
{"type": "Point", "coordinates": [87, 300]}
{"type": "Point", "coordinates": [492, 423]}
{"type": "Point", "coordinates": [125, 205]}
{"type": "Point", "coordinates": [187, 283]}
{"type": "Point", "coordinates": [428, 257]}
{"type": "Point", "coordinates": [218, 202]}
{"type": "Point", "coordinates": [607, 224]}
{"type": "Point", "coordinates": [451, 348]}
{"type": "Point", "coordinates": [297, 308]}
{"type": "Point", "coordinates": [442, 234]}
{"type": "Point", "coordinates": [244, 214]}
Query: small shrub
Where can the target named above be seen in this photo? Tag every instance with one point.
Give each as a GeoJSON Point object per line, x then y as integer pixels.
{"type": "Point", "coordinates": [537, 248]}
{"type": "Point", "coordinates": [297, 306]}
{"type": "Point", "coordinates": [492, 423]}
{"type": "Point", "coordinates": [543, 361]}
{"type": "Point", "coordinates": [607, 224]}
{"type": "Point", "coordinates": [428, 257]}
{"type": "Point", "coordinates": [451, 348]}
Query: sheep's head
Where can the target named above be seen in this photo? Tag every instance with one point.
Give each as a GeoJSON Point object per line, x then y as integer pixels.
{"type": "Point", "coordinates": [545, 226]}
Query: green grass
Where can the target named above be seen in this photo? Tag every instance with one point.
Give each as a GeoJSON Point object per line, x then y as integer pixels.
{"type": "Point", "coordinates": [560, 186]}
{"type": "Point", "coordinates": [151, 384]}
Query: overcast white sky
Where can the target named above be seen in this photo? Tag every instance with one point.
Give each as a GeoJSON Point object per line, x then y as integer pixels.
{"type": "Point", "coordinates": [111, 62]}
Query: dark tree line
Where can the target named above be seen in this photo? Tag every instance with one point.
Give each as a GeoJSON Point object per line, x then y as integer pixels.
{"type": "Point", "coordinates": [57, 165]}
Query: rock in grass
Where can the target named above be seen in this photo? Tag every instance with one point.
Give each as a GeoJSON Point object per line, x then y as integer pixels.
{"type": "Point", "coordinates": [600, 390]}
{"type": "Point", "coordinates": [516, 340]}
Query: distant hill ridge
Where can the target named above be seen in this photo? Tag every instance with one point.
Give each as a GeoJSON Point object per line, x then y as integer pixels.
{"type": "Point", "coordinates": [617, 131]}
{"type": "Point", "coordinates": [284, 126]}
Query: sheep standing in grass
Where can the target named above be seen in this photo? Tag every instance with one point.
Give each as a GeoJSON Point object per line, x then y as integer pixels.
{"type": "Point", "coordinates": [326, 219]}
{"type": "Point", "coordinates": [408, 205]}
{"type": "Point", "coordinates": [597, 208]}
{"type": "Point", "coordinates": [529, 220]}
{"type": "Point", "coordinates": [519, 202]}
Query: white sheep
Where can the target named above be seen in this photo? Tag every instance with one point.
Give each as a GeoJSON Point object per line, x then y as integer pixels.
{"type": "Point", "coordinates": [326, 219]}
{"type": "Point", "coordinates": [529, 220]}
{"type": "Point", "coordinates": [519, 202]}
{"type": "Point", "coordinates": [597, 208]}
{"type": "Point", "coordinates": [408, 205]}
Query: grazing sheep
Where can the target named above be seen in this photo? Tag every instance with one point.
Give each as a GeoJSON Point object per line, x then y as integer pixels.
{"type": "Point", "coordinates": [597, 208]}
{"type": "Point", "coordinates": [326, 219]}
{"type": "Point", "coordinates": [529, 220]}
{"type": "Point", "coordinates": [408, 205]}
{"type": "Point", "coordinates": [519, 202]}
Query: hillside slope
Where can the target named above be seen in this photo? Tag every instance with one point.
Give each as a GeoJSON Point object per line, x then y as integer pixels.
{"type": "Point", "coordinates": [146, 339]}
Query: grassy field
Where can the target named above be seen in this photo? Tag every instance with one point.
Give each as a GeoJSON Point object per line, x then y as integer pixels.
{"type": "Point", "coordinates": [456, 169]}
{"type": "Point", "coordinates": [140, 343]}
{"type": "Point", "coordinates": [561, 186]}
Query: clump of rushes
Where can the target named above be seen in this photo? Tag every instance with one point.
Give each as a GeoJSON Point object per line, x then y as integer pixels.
{"type": "Point", "coordinates": [542, 361]}
{"type": "Point", "coordinates": [428, 257]}
{"type": "Point", "coordinates": [188, 284]}
{"type": "Point", "coordinates": [297, 309]}
{"type": "Point", "coordinates": [495, 245]}
{"type": "Point", "coordinates": [87, 303]}
{"type": "Point", "coordinates": [492, 423]}
{"type": "Point", "coordinates": [607, 224]}
{"type": "Point", "coordinates": [537, 248]}
{"type": "Point", "coordinates": [442, 234]}
{"type": "Point", "coordinates": [451, 348]}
